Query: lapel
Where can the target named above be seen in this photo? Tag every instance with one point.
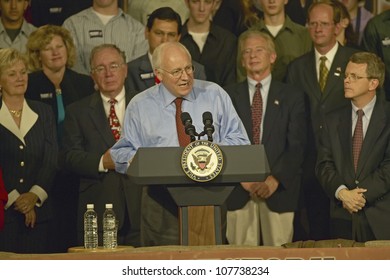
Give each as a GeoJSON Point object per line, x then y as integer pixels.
{"type": "Point", "coordinates": [311, 77]}
{"type": "Point", "coordinates": [336, 69]}
{"type": "Point", "coordinates": [374, 130]}
{"type": "Point", "coordinates": [243, 107]}
{"type": "Point", "coordinates": [345, 138]}
{"type": "Point", "coordinates": [145, 68]}
{"type": "Point", "coordinates": [273, 110]}
{"type": "Point", "coordinates": [99, 119]}
{"type": "Point", "coordinates": [28, 119]}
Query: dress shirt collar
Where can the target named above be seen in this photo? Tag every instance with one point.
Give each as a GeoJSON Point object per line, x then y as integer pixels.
{"type": "Point", "coordinates": [329, 55]}
{"type": "Point", "coordinates": [168, 97]}
{"type": "Point", "coordinates": [265, 83]}
{"type": "Point", "coordinates": [118, 98]}
{"type": "Point", "coordinates": [368, 109]}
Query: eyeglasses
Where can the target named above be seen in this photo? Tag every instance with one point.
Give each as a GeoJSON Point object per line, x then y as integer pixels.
{"type": "Point", "coordinates": [320, 24]}
{"type": "Point", "coordinates": [101, 69]}
{"type": "Point", "coordinates": [353, 77]}
{"type": "Point", "coordinates": [256, 51]}
{"type": "Point", "coordinates": [177, 73]}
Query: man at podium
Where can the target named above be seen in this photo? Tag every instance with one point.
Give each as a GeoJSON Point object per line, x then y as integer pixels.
{"type": "Point", "coordinates": [153, 120]}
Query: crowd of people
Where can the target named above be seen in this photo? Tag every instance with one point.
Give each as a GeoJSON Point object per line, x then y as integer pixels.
{"type": "Point", "coordinates": [84, 86]}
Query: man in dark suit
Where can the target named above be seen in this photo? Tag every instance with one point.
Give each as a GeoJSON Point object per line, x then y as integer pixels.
{"type": "Point", "coordinates": [267, 218]}
{"type": "Point", "coordinates": [163, 25]}
{"type": "Point", "coordinates": [92, 126]}
{"type": "Point", "coordinates": [354, 154]}
{"type": "Point", "coordinates": [323, 93]}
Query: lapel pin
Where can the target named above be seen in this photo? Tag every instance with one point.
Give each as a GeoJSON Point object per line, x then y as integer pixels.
{"type": "Point", "coordinates": [338, 71]}
{"type": "Point", "coordinates": [276, 102]}
{"type": "Point", "coordinates": [386, 42]}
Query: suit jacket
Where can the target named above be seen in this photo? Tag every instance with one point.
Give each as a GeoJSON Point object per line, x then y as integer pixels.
{"type": "Point", "coordinates": [335, 164]}
{"type": "Point", "coordinates": [74, 86]}
{"type": "Point", "coordinates": [3, 199]}
{"type": "Point", "coordinates": [302, 73]}
{"type": "Point", "coordinates": [284, 136]}
{"type": "Point", "coordinates": [140, 74]}
{"type": "Point", "coordinates": [28, 156]}
{"type": "Point", "coordinates": [87, 136]}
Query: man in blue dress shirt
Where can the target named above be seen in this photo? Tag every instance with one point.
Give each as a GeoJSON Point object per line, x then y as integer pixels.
{"type": "Point", "coordinates": [150, 122]}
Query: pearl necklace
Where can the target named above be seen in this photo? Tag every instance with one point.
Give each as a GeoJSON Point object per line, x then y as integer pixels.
{"type": "Point", "coordinates": [16, 113]}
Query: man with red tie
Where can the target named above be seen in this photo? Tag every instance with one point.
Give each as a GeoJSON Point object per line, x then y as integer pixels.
{"type": "Point", "coordinates": [274, 115]}
{"type": "Point", "coordinates": [91, 127]}
{"type": "Point", "coordinates": [354, 154]}
{"type": "Point", "coordinates": [152, 121]}
{"type": "Point", "coordinates": [3, 199]}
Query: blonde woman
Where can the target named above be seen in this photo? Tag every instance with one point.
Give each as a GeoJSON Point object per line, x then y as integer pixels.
{"type": "Point", "coordinates": [28, 157]}
{"type": "Point", "coordinates": [51, 55]}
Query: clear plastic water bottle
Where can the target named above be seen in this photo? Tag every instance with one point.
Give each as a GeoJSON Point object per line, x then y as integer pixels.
{"type": "Point", "coordinates": [90, 228]}
{"type": "Point", "coordinates": [109, 228]}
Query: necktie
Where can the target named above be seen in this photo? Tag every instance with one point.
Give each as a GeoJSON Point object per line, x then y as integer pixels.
{"type": "Point", "coordinates": [184, 139]}
{"type": "Point", "coordinates": [357, 139]}
{"type": "Point", "coordinates": [257, 114]}
{"type": "Point", "coordinates": [113, 120]}
{"type": "Point", "coordinates": [156, 80]}
{"type": "Point", "coordinates": [323, 73]}
{"type": "Point", "coordinates": [60, 113]}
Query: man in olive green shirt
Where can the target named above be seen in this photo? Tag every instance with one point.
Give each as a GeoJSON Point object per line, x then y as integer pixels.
{"type": "Point", "coordinates": [291, 39]}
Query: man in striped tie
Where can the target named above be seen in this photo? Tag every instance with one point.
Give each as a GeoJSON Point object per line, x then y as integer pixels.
{"type": "Point", "coordinates": [354, 154]}
{"type": "Point", "coordinates": [273, 114]}
{"type": "Point", "coordinates": [91, 127]}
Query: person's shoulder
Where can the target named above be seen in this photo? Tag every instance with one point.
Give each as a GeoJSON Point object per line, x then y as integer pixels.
{"type": "Point", "coordinates": [76, 75]}
{"type": "Point", "coordinates": [201, 87]}
{"type": "Point", "coordinates": [39, 107]}
{"type": "Point", "coordinates": [137, 61]}
{"type": "Point", "coordinates": [83, 102]}
{"type": "Point", "coordinates": [234, 86]}
{"type": "Point", "coordinates": [380, 18]}
{"type": "Point", "coordinates": [148, 94]}
{"type": "Point", "coordinates": [222, 33]}
{"type": "Point", "coordinates": [27, 27]}
{"type": "Point", "coordinates": [345, 50]}
{"type": "Point", "coordinates": [302, 60]}
{"type": "Point", "coordinates": [33, 76]}
{"type": "Point", "coordinates": [295, 27]}
{"type": "Point", "coordinates": [82, 15]}
{"type": "Point", "coordinates": [130, 20]}
{"type": "Point", "coordinates": [288, 89]}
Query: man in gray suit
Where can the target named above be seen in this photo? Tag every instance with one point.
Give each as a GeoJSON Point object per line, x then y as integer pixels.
{"type": "Point", "coordinates": [323, 95]}
{"type": "Point", "coordinates": [353, 155]}
{"type": "Point", "coordinates": [163, 25]}
{"type": "Point", "coordinates": [91, 127]}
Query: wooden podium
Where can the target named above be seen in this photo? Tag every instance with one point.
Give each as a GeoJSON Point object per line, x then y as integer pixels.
{"type": "Point", "coordinates": [200, 212]}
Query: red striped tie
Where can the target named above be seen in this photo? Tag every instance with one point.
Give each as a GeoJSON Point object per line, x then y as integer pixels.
{"type": "Point", "coordinates": [114, 121]}
{"type": "Point", "coordinates": [357, 139]}
{"type": "Point", "coordinates": [184, 139]}
{"type": "Point", "coordinates": [257, 114]}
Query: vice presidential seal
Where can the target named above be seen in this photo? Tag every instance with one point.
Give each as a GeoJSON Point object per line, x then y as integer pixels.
{"type": "Point", "coordinates": [202, 160]}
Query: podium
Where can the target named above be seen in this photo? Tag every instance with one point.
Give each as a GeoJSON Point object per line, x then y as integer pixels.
{"type": "Point", "coordinates": [200, 204]}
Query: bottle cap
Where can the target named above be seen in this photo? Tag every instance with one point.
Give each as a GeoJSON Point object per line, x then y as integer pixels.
{"type": "Point", "coordinates": [90, 206]}
{"type": "Point", "coordinates": [109, 205]}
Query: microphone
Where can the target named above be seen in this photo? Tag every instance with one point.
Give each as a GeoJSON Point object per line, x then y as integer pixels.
{"type": "Point", "coordinates": [188, 126]}
{"type": "Point", "coordinates": [208, 125]}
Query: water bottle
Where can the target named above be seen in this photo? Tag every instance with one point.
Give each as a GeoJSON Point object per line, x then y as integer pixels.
{"type": "Point", "coordinates": [90, 228]}
{"type": "Point", "coordinates": [109, 228]}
